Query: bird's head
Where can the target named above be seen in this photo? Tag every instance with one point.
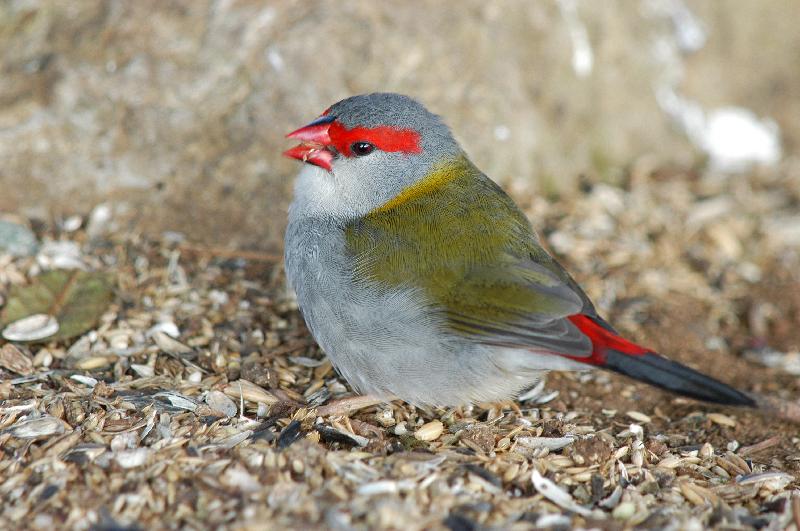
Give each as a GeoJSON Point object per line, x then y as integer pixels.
{"type": "Point", "coordinates": [366, 149]}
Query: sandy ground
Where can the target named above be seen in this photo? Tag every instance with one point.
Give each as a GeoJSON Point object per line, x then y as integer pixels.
{"type": "Point", "coordinates": [239, 422]}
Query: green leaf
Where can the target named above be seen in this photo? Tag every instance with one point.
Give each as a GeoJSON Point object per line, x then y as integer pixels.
{"type": "Point", "coordinates": [75, 298]}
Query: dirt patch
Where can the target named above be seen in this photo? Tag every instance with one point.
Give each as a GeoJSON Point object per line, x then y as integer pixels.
{"type": "Point", "coordinates": [239, 421]}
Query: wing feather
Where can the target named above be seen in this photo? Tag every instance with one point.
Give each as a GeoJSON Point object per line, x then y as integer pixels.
{"type": "Point", "coordinates": [474, 254]}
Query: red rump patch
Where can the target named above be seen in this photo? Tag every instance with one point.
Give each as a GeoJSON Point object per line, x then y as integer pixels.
{"type": "Point", "coordinates": [603, 340]}
{"type": "Point", "coordinates": [382, 137]}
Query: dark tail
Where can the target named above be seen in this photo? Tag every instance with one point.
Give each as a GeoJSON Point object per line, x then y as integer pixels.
{"type": "Point", "coordinates": [617, 354]}
{"type": "Point", "coordinates": [657, 370]}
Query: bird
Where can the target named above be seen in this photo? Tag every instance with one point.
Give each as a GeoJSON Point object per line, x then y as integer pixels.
{"type": "Point", "coordinates": [422, 280]}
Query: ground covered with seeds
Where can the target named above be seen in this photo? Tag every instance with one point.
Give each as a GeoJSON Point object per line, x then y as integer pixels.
{"type": "Point", "coordinates": [187, 392]}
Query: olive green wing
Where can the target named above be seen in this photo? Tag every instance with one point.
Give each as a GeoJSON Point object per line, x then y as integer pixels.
{"type": "Point", "coordinates": [461, 240]}
{"type": "Point", "coordinates": [519, 303]}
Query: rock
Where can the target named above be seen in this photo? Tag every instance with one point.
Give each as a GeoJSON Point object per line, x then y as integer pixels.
{"type": "Point", "coordinates": [17, 240]}
{"type": "Point", "coordinates": [183, 120]}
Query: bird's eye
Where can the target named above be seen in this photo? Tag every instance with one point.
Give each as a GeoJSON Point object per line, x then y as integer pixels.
{"type": "Point", "coordinates": [360, 149]}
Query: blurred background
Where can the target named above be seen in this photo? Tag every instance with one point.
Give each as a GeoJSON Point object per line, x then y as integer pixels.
{"type": "Point", "coordinates": [143, 196]}
{"type": "Point", "coordinates": [170, 115]}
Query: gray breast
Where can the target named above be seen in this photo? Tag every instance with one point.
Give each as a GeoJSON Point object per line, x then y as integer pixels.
{"type": "Point", "coordinates": [391, 342]}
{"type": "Point", "coordinates": [373, 336]}
{"type": "Point", "coordinates": [315, 257]}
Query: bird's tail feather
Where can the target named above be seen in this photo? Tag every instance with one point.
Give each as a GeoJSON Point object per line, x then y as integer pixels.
{"type": "Point", "coordinates": [617, 354]}
{"type": "Point", "coordinates": [657, 370]}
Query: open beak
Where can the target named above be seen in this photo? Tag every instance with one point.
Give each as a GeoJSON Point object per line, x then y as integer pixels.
{"type": "Point", "coordinates": [315, 143]}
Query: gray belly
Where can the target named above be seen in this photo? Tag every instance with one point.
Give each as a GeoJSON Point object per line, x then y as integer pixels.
{"type": "Point", "coordinates": [367, 332]}
{"type": "Point", "coordinates": [390, 342]}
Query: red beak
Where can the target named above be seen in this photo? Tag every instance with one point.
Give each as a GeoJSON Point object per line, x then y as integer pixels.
{"type": "Point", "coordinates": [314, 143]}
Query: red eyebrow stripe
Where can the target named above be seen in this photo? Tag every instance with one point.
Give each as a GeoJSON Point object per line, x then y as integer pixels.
{"type": "Point", "coordinates": [382, 137]}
